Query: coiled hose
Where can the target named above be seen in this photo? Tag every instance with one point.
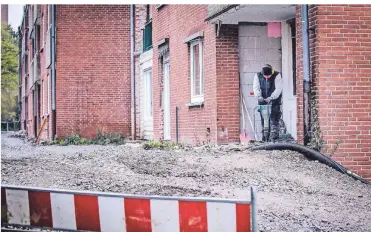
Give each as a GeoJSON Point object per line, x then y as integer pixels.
{"type": "Point", "coordinates": [312, 155]}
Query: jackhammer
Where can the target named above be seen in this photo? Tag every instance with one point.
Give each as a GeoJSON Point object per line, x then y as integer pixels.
{"type": "Point", "coordinates": [265, 110]}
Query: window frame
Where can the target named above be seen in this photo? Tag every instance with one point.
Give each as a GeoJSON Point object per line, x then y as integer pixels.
{"type": "Point", "coordinates": [148, 75]}
{"type": "Point", "coordinates": [197, 98]}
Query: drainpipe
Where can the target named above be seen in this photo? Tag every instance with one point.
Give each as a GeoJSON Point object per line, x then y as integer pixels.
{"type": "Point", "coordinates": [306, 72]}
{"type": "Point", "coordinates": [20, 56]}
{"type": "Point", "coordinates": [132, 79]}
{"type": "Point", "coordinates": [53, 51]}
{"type": "Point", "coordinates": [177, 123]}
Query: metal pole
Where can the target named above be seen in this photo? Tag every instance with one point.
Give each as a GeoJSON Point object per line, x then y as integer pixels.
{"type": "Point", "coordinates": [7, 126]}
{"type": "Point", "coordinates": [306, 71]}
{"type": "Point", "coordinates": [253, 210]}
{"type": "Point", "coordinates": [132, 77]}
{"type": "Point", "coordinates": [53, 72]}
{"type": "Point", "coordinates": [176, 124]}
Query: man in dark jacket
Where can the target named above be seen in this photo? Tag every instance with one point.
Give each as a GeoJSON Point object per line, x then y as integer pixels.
{"type": "Point", "coordinates": [268, 89]}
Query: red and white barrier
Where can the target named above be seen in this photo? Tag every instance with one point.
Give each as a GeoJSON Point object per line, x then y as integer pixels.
{"type": "Point", "coordinates": [71, 210]}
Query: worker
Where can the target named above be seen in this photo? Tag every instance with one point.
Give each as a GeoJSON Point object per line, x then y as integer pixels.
{"type": "Point", "coordinates": [267, 87]}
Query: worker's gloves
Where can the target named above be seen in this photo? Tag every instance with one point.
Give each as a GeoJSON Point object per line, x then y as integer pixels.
{"type": "Point", "coordinates": [268, 99]}
{"type": "Point", "coordinates": [260, 100]}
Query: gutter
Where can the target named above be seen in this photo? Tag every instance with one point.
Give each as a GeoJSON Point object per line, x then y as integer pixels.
{"type": "Point", "coordinates": [132, 77]}
{"type": "Point", "coordinates": [306, 73]}
{"type": "Point", "coordinates": [221, 12]}
{"type": "Point", "coordinates": [53, 73]}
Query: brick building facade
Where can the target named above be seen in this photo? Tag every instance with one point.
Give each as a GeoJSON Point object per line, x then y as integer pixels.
{"type": "Point", "coordinates": [193, 66]}
{"type": "Point", "coordinates": [4, 13]}
{"type": "Point", "coordinates": [340, 60]}
{"type": "Point", "coordinates": [92, 69]}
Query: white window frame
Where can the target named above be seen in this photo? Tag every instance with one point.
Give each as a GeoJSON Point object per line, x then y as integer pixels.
{"type": "Point", "coordinates": [148, 75]}
{"type": "Point", "coordinates": [43, 97]}
{"type": "Point", "coordinates": [49, 92]}
{"type": "Point", "coordinates": [197, 98]}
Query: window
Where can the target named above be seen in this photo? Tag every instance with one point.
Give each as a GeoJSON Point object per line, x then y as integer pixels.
{"type": "Point", "coordinates": [197, 75]}
{"type": "Point", "coordinates": [147, 37]}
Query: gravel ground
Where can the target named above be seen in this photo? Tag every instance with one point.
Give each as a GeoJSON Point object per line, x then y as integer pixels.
{"type": "Point", "coordinates": [294, 194]}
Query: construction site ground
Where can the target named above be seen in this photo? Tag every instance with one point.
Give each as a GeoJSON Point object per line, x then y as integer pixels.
{"type": "Point", "coordinates": [294, 194]}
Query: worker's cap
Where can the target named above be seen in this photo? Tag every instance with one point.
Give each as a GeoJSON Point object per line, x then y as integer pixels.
{"type": "Point", "coordinates": [267, 70]}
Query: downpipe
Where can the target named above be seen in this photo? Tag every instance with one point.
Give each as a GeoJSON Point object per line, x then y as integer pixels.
{"type": "Point", "coordinates": [306, 73]}
{"type": "Point", "coordinates": [132, 77]}
{"type": "Point", "coordinates": [311, 155]}
{"type": "Point", "coordinates": [53, 73]}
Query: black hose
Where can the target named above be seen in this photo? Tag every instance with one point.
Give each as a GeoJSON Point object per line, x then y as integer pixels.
{"type": "Point", "coordinates": [312, 155]}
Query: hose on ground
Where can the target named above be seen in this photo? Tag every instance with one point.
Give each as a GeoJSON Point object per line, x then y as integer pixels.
{"type": "Point", "coordinates": [312, 155]}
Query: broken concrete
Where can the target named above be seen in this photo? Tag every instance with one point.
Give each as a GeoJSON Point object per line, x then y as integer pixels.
{"type": "Point", "coordinates": [294, 194]}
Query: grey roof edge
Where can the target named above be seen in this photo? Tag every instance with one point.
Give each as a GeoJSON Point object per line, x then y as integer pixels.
{"type": "Point", "coordinates": [221, 12]}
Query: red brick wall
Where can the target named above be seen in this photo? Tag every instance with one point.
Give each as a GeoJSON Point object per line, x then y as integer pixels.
{"type": "Point", "coordinates": [93, 69]}
{"type": "Point", "coordinates": [342, 65]}
{"type": "Point", "coordinates": [227, 70]}
{"type": "Point", "coordinates": [178, 22]}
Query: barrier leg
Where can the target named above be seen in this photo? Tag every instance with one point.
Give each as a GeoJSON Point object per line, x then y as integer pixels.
{"type": "Point", "coordinates": [253, 209]}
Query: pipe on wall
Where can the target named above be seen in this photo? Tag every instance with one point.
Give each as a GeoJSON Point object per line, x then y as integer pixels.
{"type": "Point", "coordinates": [306, 73]}
{"type": "Point", "coordinates": [53, 73]}
{"type": "Point", "coordinates": [132, 77]}
{"type": "Point", "coordinates": [177, 123]}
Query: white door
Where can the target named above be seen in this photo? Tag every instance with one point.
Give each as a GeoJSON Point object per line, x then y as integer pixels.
{"type": "Point", "coordinates": [289, 111]}
{"type": "Point", "coordinates": [148, 108]}
{"type": "Point", "coordinates": [167, 101]}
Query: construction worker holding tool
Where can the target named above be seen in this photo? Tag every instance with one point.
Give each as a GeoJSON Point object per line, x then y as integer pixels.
{"type": "Point", "coordinates": [267, 87]}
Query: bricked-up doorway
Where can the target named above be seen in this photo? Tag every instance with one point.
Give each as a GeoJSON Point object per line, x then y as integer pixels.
{"type": "Point", "coordinates": [258, 45]}
{"type": "Point", "coordinates": [256, 48]}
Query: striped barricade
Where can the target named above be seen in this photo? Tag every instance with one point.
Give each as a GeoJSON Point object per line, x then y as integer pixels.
{"type": "Point", "coordinates": [110, 212]}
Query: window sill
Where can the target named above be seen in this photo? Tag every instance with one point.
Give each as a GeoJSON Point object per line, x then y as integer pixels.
{"type": "Point", "coordinates": [195, 104]}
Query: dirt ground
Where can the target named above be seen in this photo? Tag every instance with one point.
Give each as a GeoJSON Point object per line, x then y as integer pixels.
{"type": "Point", "coordinates": [294, 194]}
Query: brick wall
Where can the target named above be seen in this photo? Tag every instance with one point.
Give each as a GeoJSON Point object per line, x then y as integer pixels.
{"type": "Point", "coordinates": [140, 20]}
{"type": "Point", "coordinates": [4, 13]}
{"type": "Point", "coordinates": [196, 125]}
{"type": "Point", "coordinates": [227, 69]}
{"type": "Point", "coordinates": [93, 69]}
{"type": "Point", "coordinates": [341, 54]}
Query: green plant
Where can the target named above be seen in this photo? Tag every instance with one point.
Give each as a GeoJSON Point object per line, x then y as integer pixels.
{"type": "Point", "coordinates": [316, 142]}
{"type": "Point", "coordinates": [73, 139]}
{"type": "Point", "coordinates": [100, 139]}
{"type": "Point", "coordinates": [9, 73]}
{"type": "Point", "coordinates": [161, 145]}
{"type": "Point", "coordinates": [109, 138]}
{"type": "Point", "coordinates": [335, 147]}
